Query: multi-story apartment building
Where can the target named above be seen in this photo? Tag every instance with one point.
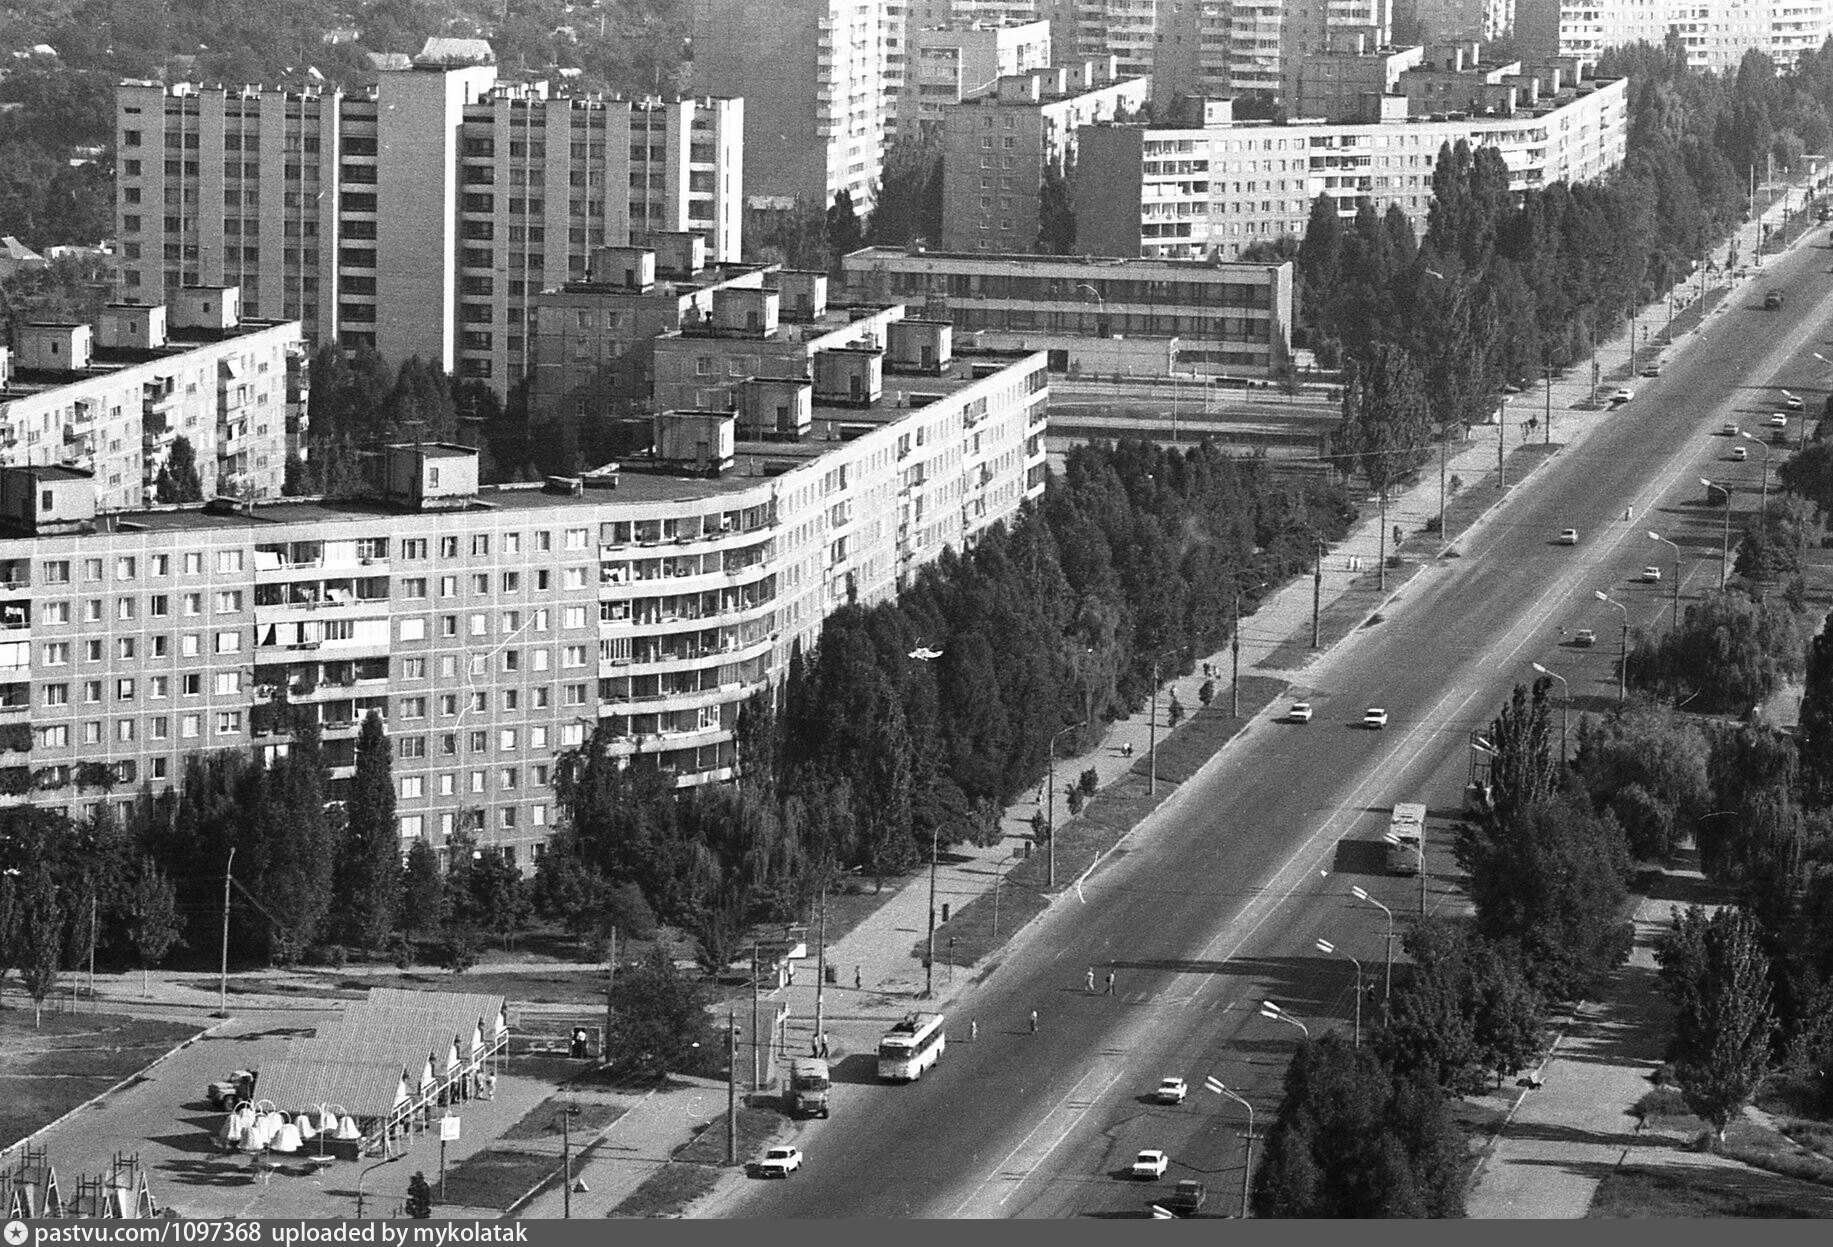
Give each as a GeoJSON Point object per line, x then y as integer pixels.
{"type": "Point", "coordinates": [418, 217]}
{"type": "Point", "coordinates": [948, 64]}
{"type": "Point", "coordinates": [996, 147]}
{"type": "Point", "coordinates": [594, 340]}
{"type": "Point", "coordinates": [112, 398]}
{"type": "Point", "coordinates": [1454, 21]}
{"type": "Point", "coordinates": [1216, 189]}
{"type": "Point", "coordinates": [813, 76]}
{"type": "Point", "coordinates": [1096, 315]}
{"type": "Point", "coordinates": [494, 627]}
{"type": "Point", "coordinates": [1715, 33]}
{"type": "Point", "coordinates": [1352, 82]}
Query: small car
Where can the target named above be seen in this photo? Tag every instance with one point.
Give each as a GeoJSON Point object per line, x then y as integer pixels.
{"type": "Point", "coordinates": [1374, 718]}
{"type": "Point", "coordinates": [1780, 421]}
{"type": "Point", "coordinates": [1651, 575]}
{"type": "Point", "coordinates": [1792, 402]}
{"type": "Point", "coordinates": [1151, 1164]}
{"type": "Point", "coordinates": [1621, 396]}
{"type": "Point", "coordinates": [1171, 1091]}
{"type": "Point", "coordinates": [1653, 370]}
{"type": "Point", "coordinates": [1568, 536]}
{"type": "Point", "coordinates": [1585, 638]}
{"type": "Point", "coordinates": [779, 1162]}
{"type": "Point", "coordinates": [1730, 430]}
{"type": "Point", "coordinates": [1739, 454]}
{"type": "Point", "coordinates": [1300, 712]}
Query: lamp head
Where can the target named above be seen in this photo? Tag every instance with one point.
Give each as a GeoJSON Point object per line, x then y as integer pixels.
{"type": "Point", "coordinates": [1325, 946]}
{"type": "Point", "coordinates": [1357, 892]}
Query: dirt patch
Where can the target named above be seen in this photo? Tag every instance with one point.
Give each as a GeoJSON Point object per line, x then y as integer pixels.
{"type": "Point", "coordinates": [696, 1166]}
{"type": "Point", "coordinates": [47, 1070]}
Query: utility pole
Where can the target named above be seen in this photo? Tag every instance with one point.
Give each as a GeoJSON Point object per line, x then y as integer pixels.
{"type": "Point", "coordinates": [1317, 588]}
{"type": "Point", "coordinates": [604, 1045]}
{"type": "Point", "coordinates": [821, 958]}
{"type": "Point", "coordinates": [732, 1086]}
{"type": "Point", "coordinates": [1234, 653]}
{"type": "Point", "coordinates": [223, 981]}
{"type": "Point", "coordinates": [92, 901]}
{"type": "Point", "coordinates": [929, 953]}
{"type": "Point", "coordinates": [757, 974]}
{"type": "Point", "coordinates": [566, 1164]}
{"type": "Point", "coordinates": [1381, 571]}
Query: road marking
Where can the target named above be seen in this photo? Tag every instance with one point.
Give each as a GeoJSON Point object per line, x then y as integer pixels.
{"type": "Point", "coordinates": [1068, 1112]}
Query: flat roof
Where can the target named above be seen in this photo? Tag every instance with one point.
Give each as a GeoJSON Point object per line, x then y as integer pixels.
{"type": "Point", "coordinates": [1027, 259]}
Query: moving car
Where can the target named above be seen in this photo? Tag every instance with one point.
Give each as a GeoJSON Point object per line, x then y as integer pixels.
{"type": "Point", "coordinates": [1187, 1199]}
{"type": "Point", "coordinates": [1568, 536]}
{"type": "Point", "coordinates": [1172, 1091]}
{"type": "Point", "coordinates": [1772, 300]}
{"type": "Point", "coordinates": [1585, 638]}
{"type": "Point", "coordinates": [1151, 1164]}
{"type": "Point", "coordinates": [1374, 718]}
{"type": "Point", "coordinates": [779, 1162]}
{"type": "Point", "coordinates": [1651, 575]}
{"type": "Point", "coordinates": [1300, 712]}
{"type": "Point", "coordinates": [1621, 396]}
{"type": "Point", "coordinates": [1653, 370]}
{"type": "Point", "coordinates": [1739, 454]}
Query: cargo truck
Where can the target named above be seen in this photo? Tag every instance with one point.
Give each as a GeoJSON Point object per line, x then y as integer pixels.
{"type": "Point", "coordinates": [808, 1087]}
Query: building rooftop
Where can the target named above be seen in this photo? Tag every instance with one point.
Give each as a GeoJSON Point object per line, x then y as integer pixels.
{"type": "Point", "coordinates": [104, 360]}
{"type": "Point", "coordinates": [1029, 259]}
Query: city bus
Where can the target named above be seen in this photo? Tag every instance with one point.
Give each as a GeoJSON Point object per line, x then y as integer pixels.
{"type": "Point", "coordinates": [1406, 834]}
{"type": "Point", "coordinates": [911, 1047]}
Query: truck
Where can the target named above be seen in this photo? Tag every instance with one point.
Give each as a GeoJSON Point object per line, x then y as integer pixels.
{"type": "Point", "coordinates": [1187, 1199]}
{"type": "Point", "coordinates": [1406, 832]}
{"type": "Point", "coordinates": [228, 1092]}
{"type": "Point", "coordinates": [808, 1087]}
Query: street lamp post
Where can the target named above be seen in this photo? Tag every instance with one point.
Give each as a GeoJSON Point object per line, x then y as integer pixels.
{"type": "Point", "coordinates": [566, 1160]}
{"type": "Point", "coordinates": [1655, 536]}
{"type": "Point", "coordinates": [1724, 549]}
{"type": "Point", "coordinates": [1381, 571]}
{"type": "Point", "coordinates": [1100, 318]}
{"type": "Point", "coordinates": [1565, 707]}
{"type": "Point", "coordinates": [1152, 727]}
{"type": "Point", "coordinates": [1764, 447]}
{"type": "Point", "coordinates": [1050, 818]}
{"type": "Point", "coordinates": [1247, 1166]}
{"type": "Point", "coordinates": [1387, 984]}
{"type": "Point", "coordinates": [1325, 946]}
{"type": "Point", "coordinates": [929, 952]}
{"type": "Point", "coordinates": [1623, 657]}
{"type": "Point", "coordinates": [1234, 651]}
{"type": "Point", "coordinates": [1274, 1013]}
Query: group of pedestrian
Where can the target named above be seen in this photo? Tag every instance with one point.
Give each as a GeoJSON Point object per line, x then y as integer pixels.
{"type": "Point", "coordinates": [1091, 981]}
{"type": "Point", "coordinates": [817, 1045]}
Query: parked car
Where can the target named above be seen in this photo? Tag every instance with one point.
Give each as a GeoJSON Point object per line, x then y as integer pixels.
{"type": "Point", "coordinates": [1739, 454]}
{"type": "Point", "coordinates": [1651, 575]}
{"type": "Point", "coordinates": [1151, 1164]}
{"type": "Point", "coordinates": [1653, 370]}
{"type": "Point", "coordinates": [1585, 638]}
{"type": "Point", "coordinates": [1780, 421]}
{"type": "Point", "coordinates": [1374, 718]}
{"type": "Point", "coordinates": [1793, 401]}
{"type": "Point", "coordinates": [1731, 429]}
{"type": "Point", "coordinates": [1300, 712]}
{"type": "Point", "coordinates": [1187, 1199]}
{"type": "Point", "coordinates": [1772, 300]}
{"type": "Point", "coordinates": [779, 1162]}
{"type": "Point", "coordinates": [1621, 396]}
{"type": "Point", "coordinates": [1172, 1091]}
{"type": "Point", "coordinates": [1568, 536]}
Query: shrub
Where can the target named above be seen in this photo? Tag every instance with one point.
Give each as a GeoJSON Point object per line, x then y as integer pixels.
{"type": "Point", "coordinates": [1088, 782]}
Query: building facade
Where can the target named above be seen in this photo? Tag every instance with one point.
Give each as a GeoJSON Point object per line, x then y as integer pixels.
{"type": "Point", "coordinates": [996, 147]}
{"type": "Point", "coordinates": [111, 399]}
{"type": "Point", "coordinates": [1447, 21]}
{"type": "Point", "coordinates": [817, 89]}
{"type": "Point", "coordinates": [418, 218]}
{"type": "Point", "coordinates": [948, 64]}
{"type": "Point", "coordinates": [1096, 315]}
{"type": "Point", "coordinates": [1715, 33]}
{"type": "Point", "coordinates": [493, 628]}
{"type": "Point", "coordinates": [1217, 189]}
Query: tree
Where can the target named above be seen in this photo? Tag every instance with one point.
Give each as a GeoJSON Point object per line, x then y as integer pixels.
{"type": "Point", "coordinates": [1524, 767]}
{"type": "Point", "coordinates": [419, 1197]}
{"type": "Point", "coordinates": [1650, 768]}
{"type": "Point", "coordinates": [369, 852]}
{"type": "Point", "coordinates": [1056, 210]}
{"type": "Point", "coordinates": [1722, 1035]}
{"type": "Point", "coordinates": [41, 936]}
{"type": "Point", "coordinates": [1730, 652]}
{"type": "Point", "coordinates": [178, 480]}
{"type": "Point", "coordinates": [1384, 428]}
{"type": "Point", "coordinates": [1815, 734]}
{"type": "Point", "coordinates": [659, 1021]}
{"type": "Point", "coordinates": [422, 890]}
{"type": "Point", "coordinates": [495, 898]}
{"type": "Point", "coordinates": [843, 232]}
{"type": "Point", "coordinates": [154, 926]}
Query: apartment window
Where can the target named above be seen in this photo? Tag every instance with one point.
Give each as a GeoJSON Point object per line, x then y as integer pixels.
{"type": "Point", "coordinates": [512, 543]}
{"type": "Point", "coordinates": [57, 571]}
{"type": "Point", "coordinates": [92, 732]}
{"type": "Point", "coordinates": [411, 747]}
{"type": "Point", "coordinates": [228, 683]}
{"type": "Point", "coordinates": [572, 656]}
{"type": "Point", "coordinates": [413, 787]}
{"type": "Point", "coordinates": [480, 583]}
{"type": "Point", "coordinates": [413, 668]}
{"type": "Point", "coordinates": [413, 547]}
{"type": "Point", "coordinates": [92, 610]}
{"type": "Point", "coordinates": [125, 567]}
{"type": "Point", "coordinates": [92, 692]}
{"type": "Point", "coordinates": [544, 541]}
{"type": "Point", "coordinates": [124, 730]}
{"type": "Point", "coordinates": [573, 578]}
{"type": "Point", "coordinates": [576, 538]}
{"type": "Point", "coordinates": [573, 695]}
{"type": "Point", "coordinates": [159, 606]}
{"type": "Point", "coordinates": [413, 587]}
{"type": "Point", "coordinates": [448, 625]}
{"type": "Point", "coordinates": [574, 617]}
{"type": "Point", "coordinates": [480, 624]}
{"type": "Point", "coordinates": [124, 690]}
{"type": "Point", "coordinates": [124, 609]}
{"type": "Point", "coordinates": [228, 602]}
{"type": "Point", "coordinates": [448, 547]}
{"type": "Point", "coordinates": [57, 737]}
{"type": "Point", "coordinates": [480, 702]}
{"type": "Point", "coordinates": [448, 704]}
{"type": "Point", "coordinates": [413, 630]}
{"type": "Point", "coordinates": [229, 642]}
{"type": "Point", "coordinates": [448, 586]}
{"type": "Point", "coordinates": [228, 722]}
{"type": "Point", "coordinates": [192, 603]}
{"type": "Point", "coordinates": [92, 651]}
{"type": "Point", "coordinates": [192, 685]}
{"type": "Point", "coordinates": [507, 740]}
{"type": "Point", "coordinates": [194, 564]}
{"type": "Point", "coordinates": [56, 695]}
{"type": "Point", "coordinates": [512, 581]}
{"type": "Point", "coordinates": [190, 725]}
{"type": "Point", "coordinates": [158, 686]}
{"type": "Point", "coordinates": [158, 727]}
{"type": "Point", "coordinates": [92, 569]}
{"type": "Point", "coordinates": [448, 783]}
{"type": "Point", "coordinates": [228, 562]}
{"type": "Point", "coordinates": [477, 781]}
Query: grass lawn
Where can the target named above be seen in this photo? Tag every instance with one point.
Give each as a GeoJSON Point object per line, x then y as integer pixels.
{"type": "Point", "coordinates": [696, 1167]}
{"type": "Point", "coordinates": [47, 1070]}
{"type": "Point", "coordinates": [1634, 1192]}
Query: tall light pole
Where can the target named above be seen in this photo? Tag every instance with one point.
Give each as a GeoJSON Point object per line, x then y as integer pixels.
{"type": "Point", "coordinates": [1387, 985]}
{"type": "Point", "coordinates": [1247, 1166]}
{"type": "Point", "coordinates": [1764, 447]}
{"type": "Point", "coordinates": [1234, 651]}
{"type": "Point", "coordinates": [1050, 819]}
{"type": "Point", "coordinates": [1325, 946]}
{"type": "Point", "coordinates": [566, 1158]}
{"type": "Point", "coordinates": [1724, 549]}
{"type": "Point", "coordinates": [1274, 1013]}
{"type": "Point", "coordinates": [1152, 727]}
{"type": "Point", "coordinates": [929, 953]}
{"type": "Point", "coordinates": [1565, 707]}
{"type": "Point", "coordinates": [1381, 570]}
{"type": "Point", "coordinates": [1623, 656]}
{"type": "Point", "coordinates": [222, 990]}
{"type": "Point", "coordinates": [1655, 536]}
{"type": "Point", "coordinates": [1101, 319]}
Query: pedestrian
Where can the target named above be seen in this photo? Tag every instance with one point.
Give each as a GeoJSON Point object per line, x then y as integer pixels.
{"type": "Point", "coordinates": [855, 978]}
{"type": "Point", "coordinates": [973, 1030]}
{"type": "Point", "coordinates": [1034, 1021]}
{"type": "Point", "coordinates": [814, 1046]}
{"type": "Point", "coordinates": [824, 1047]}
{"type": "Point", "coordinates": [1110, 982]}
{"type": "Point", "coordinates": [1091, 980]}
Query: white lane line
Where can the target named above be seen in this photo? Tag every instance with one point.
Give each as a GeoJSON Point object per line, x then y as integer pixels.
{"type": "Point", "coordinates": [1067, 1112]}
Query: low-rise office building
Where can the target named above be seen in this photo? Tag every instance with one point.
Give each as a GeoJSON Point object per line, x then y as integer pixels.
{"type": "Point", "coordinates": [113, 397]}
{"type": "Point", "coordinates": [494, 627]}
{"type": "Point", "coordinates": [1107, 316]}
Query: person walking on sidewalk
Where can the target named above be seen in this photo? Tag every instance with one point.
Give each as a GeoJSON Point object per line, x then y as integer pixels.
{"type": "Point", "coordinates": [1034, 1021]}
{"type": "Point", "coordinates": [1110, 982]}
{"type": "Point", "coordinates": [973, 1030]}
{"type": "Point", "coordinates": [1091, 980]}
{"type": "Point", "coordinates": [855, 978]}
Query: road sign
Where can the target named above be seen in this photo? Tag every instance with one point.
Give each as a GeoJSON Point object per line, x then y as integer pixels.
{"type": "Point", "coordinates": [448, 1129]}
